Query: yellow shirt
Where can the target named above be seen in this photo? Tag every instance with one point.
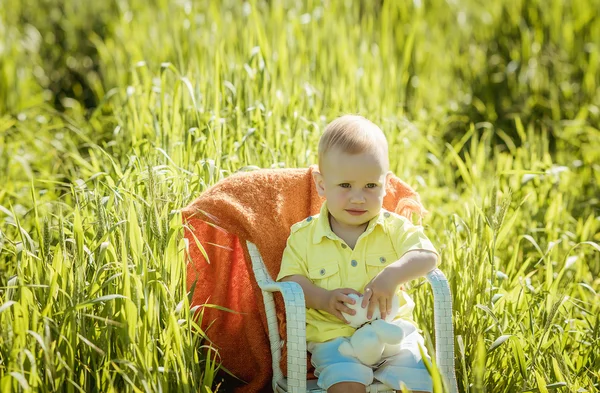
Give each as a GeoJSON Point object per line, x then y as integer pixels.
{"type": "Point", "coordinates": [316, 252]}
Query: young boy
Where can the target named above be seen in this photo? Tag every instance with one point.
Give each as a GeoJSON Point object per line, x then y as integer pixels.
{"type": "Point", "coordinates": [355, 246]}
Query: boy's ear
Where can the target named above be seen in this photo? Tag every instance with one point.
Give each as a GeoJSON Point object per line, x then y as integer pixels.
{"type": "Point", "coordinates": [388, 176]}
{"type": "Point", "coordinates": [319, 182]}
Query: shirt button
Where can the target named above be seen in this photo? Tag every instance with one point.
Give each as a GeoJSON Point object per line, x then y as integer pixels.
{"type": "Point", "coordinates": [309, 219]}
{"type": "Point", "coordinates": [354, 263]}
{"type": "Point", "coordinates": [382, 259]}
{"type": "Point", "coordinates": [322, 272]}
{"type": "Point", "coordinates": [386, 214]}
{"type": "Point", "coordinates": [344, 246]}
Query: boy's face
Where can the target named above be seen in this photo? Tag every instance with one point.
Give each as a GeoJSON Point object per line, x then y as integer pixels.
{"type": "Point", "coordinates": [353, 184]}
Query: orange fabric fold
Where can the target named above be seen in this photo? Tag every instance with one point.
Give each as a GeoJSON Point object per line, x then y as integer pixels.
{"type": "Point", "coordinates": [259, 207]}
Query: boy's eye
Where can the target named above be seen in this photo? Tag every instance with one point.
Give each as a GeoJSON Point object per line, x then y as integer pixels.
{"type": "Point", "coordinates": [345, 185]}
{"type": "Point", "coordinates": [371, 185]}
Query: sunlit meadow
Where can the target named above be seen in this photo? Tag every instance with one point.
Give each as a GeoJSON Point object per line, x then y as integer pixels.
{"type": "Point", "coordinates": [115, 114]}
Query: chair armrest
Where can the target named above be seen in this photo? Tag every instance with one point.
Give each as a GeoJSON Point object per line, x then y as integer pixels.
{"type": "Point", "coordinates": [295, 313]}
{"type": "Point", "coordinates": [444, 330]}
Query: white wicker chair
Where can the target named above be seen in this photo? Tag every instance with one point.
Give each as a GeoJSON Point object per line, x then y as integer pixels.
{"type": "Point", "coordinates": [295, 314]}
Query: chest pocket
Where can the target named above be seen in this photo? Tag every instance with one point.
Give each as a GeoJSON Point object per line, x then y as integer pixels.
{"type": "Point", "coordinates": [325, 275]}
{"type": "Point", "coordinates": [377, 262]}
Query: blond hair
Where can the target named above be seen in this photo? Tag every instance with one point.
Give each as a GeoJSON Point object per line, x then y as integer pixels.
{"type": "Point", "coordinates": [352, 134]}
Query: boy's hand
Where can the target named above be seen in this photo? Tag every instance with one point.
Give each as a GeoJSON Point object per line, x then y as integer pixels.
{"type": "Point", "coordinates": [336, 302]}
{"type": "Point", "coordinates": [379, 291]}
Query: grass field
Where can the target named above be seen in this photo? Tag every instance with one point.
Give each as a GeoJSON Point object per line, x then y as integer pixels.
{"type": "Point", "coordinates": [116, 114]}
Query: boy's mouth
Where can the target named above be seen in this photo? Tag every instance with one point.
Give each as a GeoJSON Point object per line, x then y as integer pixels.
{"type": "Point", "coordinates": [356, 212]}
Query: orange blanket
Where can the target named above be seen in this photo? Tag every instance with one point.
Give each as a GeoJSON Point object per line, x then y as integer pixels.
{"type": "Point", "coordinates": [261, 207]}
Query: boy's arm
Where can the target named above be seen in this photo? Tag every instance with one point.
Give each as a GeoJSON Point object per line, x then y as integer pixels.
{"type": "Point", "coordinates": [413, 264]}
{"type": "Point", "coordinates": [333, 302]}
{"type": "Point", "coordinates": [418, 257]}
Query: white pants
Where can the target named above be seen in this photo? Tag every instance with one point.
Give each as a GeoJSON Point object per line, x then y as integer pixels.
{"type": "Point", "coordinates": [406, 367]}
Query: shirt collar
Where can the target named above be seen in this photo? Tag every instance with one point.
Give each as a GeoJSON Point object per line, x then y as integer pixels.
{"type": "Point", "coordinates": [323, 229]}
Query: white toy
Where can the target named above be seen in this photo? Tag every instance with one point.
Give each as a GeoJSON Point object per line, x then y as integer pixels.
{"type": "Point", "coordinates": [375, 340]}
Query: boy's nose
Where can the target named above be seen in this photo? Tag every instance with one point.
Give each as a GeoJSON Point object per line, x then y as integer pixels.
{"type": "Point", "coordinates": [358, 198]}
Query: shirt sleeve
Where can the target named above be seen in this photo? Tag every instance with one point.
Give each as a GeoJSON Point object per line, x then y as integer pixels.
{"type": "Point", "coordinates": [410, 237]}
{"type": "Point", "coordinates": [294, 261]}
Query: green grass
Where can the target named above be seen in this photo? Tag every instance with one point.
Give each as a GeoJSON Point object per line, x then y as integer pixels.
{"type": "Point", "coordinates": [114, 115]}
